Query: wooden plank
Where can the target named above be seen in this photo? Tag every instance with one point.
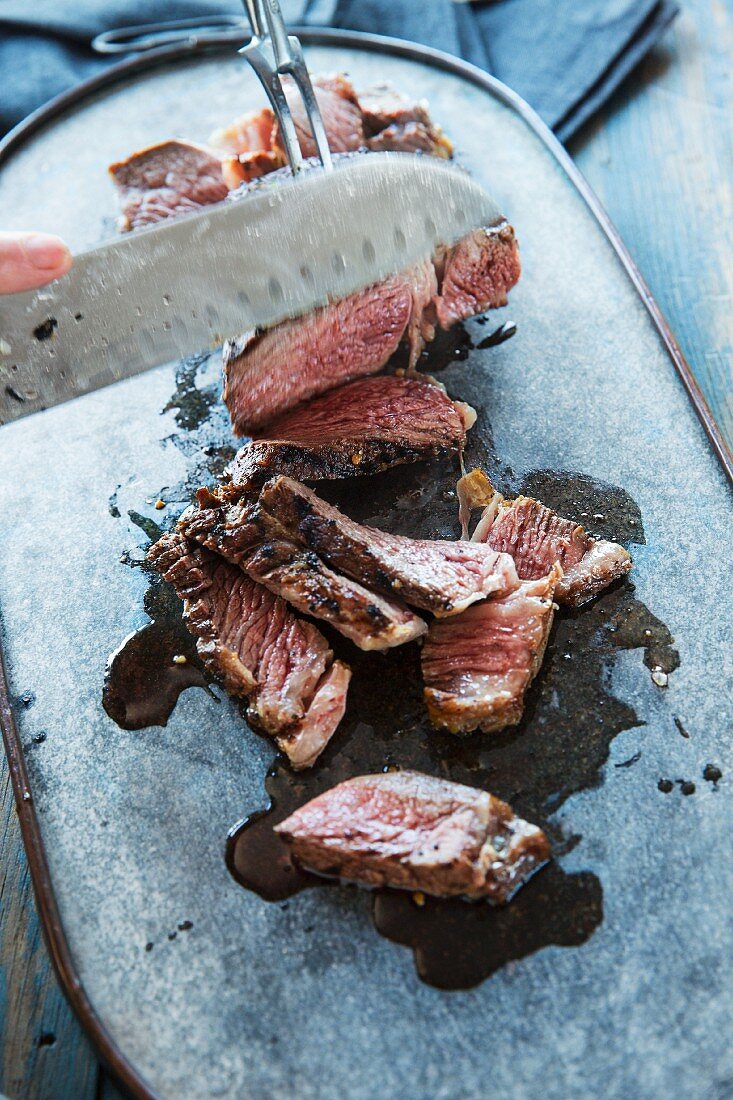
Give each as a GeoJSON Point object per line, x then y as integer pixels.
{"type": "Point", "coordinates": [43, 1052]}
{"type": "Point", "coordinates": [660, 157]}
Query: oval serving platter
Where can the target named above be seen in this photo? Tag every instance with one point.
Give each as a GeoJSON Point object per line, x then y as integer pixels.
{"type": "Point", "coordinates": [589, 406]}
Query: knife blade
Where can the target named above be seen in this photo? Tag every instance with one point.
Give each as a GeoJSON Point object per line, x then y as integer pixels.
{"type": "Point", "coordinates": [181, 287]}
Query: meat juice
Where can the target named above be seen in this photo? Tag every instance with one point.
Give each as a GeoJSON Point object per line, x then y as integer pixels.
{"type": "Point", "coordinates": [535, 766]}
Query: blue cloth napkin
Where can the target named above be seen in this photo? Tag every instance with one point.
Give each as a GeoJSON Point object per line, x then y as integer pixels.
{"type": "Point", "coordinates": [565, 57]}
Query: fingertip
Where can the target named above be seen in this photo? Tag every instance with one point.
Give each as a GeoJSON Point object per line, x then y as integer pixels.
{"type": "Point", "coordinates": [48, 254]}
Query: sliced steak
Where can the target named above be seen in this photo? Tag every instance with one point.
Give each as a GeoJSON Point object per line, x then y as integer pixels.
{"type": "Point", "coordinates": [258, 648]}
{"type": "Point", "coordinates": [439, 576]}
{"type": "Point", "coordinates": [412, 137]}
{"type": "Point", "coordinates": [360, 428]}
{"type": "Point", "coordinates": [476, 274]}
{"type": "Point", "coordinates": [301, 578]}
{"type": "Point", "coordinates": [252, 145]}
{"type": "Point", "coordinates": [415, 832]}
{"type": "Point", "coordinates": [250, 133]}
{"type": "Point", "coordinates": [228, 523]}
{"type": "Point", "coordinates": [537, 537]}
{"type": "Point", "coordinates": [392, 120]}
{"type": "Point", "coordinates": [477, 666]}
{"type": "Point", "coordinates": [167, 180]}
{"type": "Point", "coordinates": [382, 105]}
{"type": "Point", "coordinates": [340, 112]}
{"type": "Point", "coordinates": [270, 372]}
{"type": "Point", "coordinates": [239, 531]}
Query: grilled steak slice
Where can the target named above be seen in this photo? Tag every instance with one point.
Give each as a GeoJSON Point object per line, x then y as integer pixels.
{"type": "Point", "coordinates": [339, 110]}
{"type": "Point", "coordinates": [259, 649]}
{"type": "Point", "coordinates": [227, 523]}
{"type": "Point", "coordinates": [477, 666]}
{"type": "Point", "coordinates": [413, 137]}
{"type": "Point", "coordinates": [415, 832]}
{"type": "Point", "coordinates": [476, 274]}
{"type": "Point", "coordinates": [439, 576]}
{"type": "Point", "coordinates": [536, 537]}
{"type": "Point", "coordinates": [382, 105]}
{"type": "Point", "coordinates": [244, 535]}
{"type": "Point", "coordinates": [252, 145]}
{"type": "Point", "coordinates": [360, 428]}
{"type": "Point", "coordinates": [301, 578]}
{"type": "Point", "coordinates": [270, 372]}
{"type": "Point", "coordinates": [167, 180]}
{"type": "Point", "coordinates": [250, 133]}
{"type": "Point", "coordinates": [394, 121]}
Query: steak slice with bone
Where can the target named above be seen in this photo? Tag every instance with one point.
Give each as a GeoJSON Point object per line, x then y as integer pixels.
{"type": "Point", "coordinates": [360, 428]}
{"type": "Point", "coordinates": [251, 539]}
{"type": "Point", "coordinates": [478, 665]}
{"type": "Point", "coordinates": [537, 537]}
{"type": "Point", "coordinates": [434, 574]}
{"type": "Point", "coordinates": [415, 832]}
{"type": "Point", "coordinates": [258, 648]}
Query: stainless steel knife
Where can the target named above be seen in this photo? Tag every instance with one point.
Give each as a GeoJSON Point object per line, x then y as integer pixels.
{"type": "Point", "coordinates": [285, 247]}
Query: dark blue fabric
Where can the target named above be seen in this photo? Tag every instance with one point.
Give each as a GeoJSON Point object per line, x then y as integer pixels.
{"type": "Point", "coordinates": [565, 57]}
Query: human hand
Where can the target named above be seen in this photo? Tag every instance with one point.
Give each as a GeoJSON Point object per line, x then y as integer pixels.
{"type": "Point", "coordinates": [28, 260]}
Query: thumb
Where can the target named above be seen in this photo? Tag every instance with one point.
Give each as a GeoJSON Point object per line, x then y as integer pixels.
{"type": "Point", "coordinates": [28, 260]}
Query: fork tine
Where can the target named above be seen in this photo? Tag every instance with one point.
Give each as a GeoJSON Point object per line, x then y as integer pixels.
{"type": "Point", "coordinates": [270, 81]}
{"type": "Point", "coordinates": [299, 72]}
{"type": "Point", "coordinates": [268, 28]}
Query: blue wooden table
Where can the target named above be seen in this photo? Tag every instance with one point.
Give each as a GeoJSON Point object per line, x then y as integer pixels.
{"type": "Point", "coordinates": [660, 157]}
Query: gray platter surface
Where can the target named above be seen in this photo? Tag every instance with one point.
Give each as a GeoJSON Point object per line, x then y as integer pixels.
{"type": "Point", "coordinates": [126, 830]}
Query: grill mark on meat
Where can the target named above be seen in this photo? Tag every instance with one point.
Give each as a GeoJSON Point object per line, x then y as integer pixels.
{"type": "Point", "coordinates": [250, 539]}
{"type": "Point", "coordinates": [361, 428]}
{"type": "Point", "coordinates": [477, 666]}
{"type": "Point", "coordinates": [414, 832]}
{"type": "Point", "coordinates": [300, 577]}
{"type": "Point", "coordinates": [167, 180]}
{"type": "Point", "coordinates": [436, 575]}
{"type": "Point", "coordinates": [267, 373]}
{"type": "Point", "coordinates": [254, 644]}
{"type": "Point", "coordinates": [536, 537]}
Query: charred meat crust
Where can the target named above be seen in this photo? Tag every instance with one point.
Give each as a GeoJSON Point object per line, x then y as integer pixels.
{"type": "Point", "coordinates": [360, 428]}
{"type": "Point", "coordinates": [251, 641]}
{"type": "Point", "coordinates": [262, 459]}
{"type": "Point", "coordinates": [436, 575]}
{"type": "Point", "coordinates": [415, 832]}
{"type": "Point", "coordinates": [244, 535]}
